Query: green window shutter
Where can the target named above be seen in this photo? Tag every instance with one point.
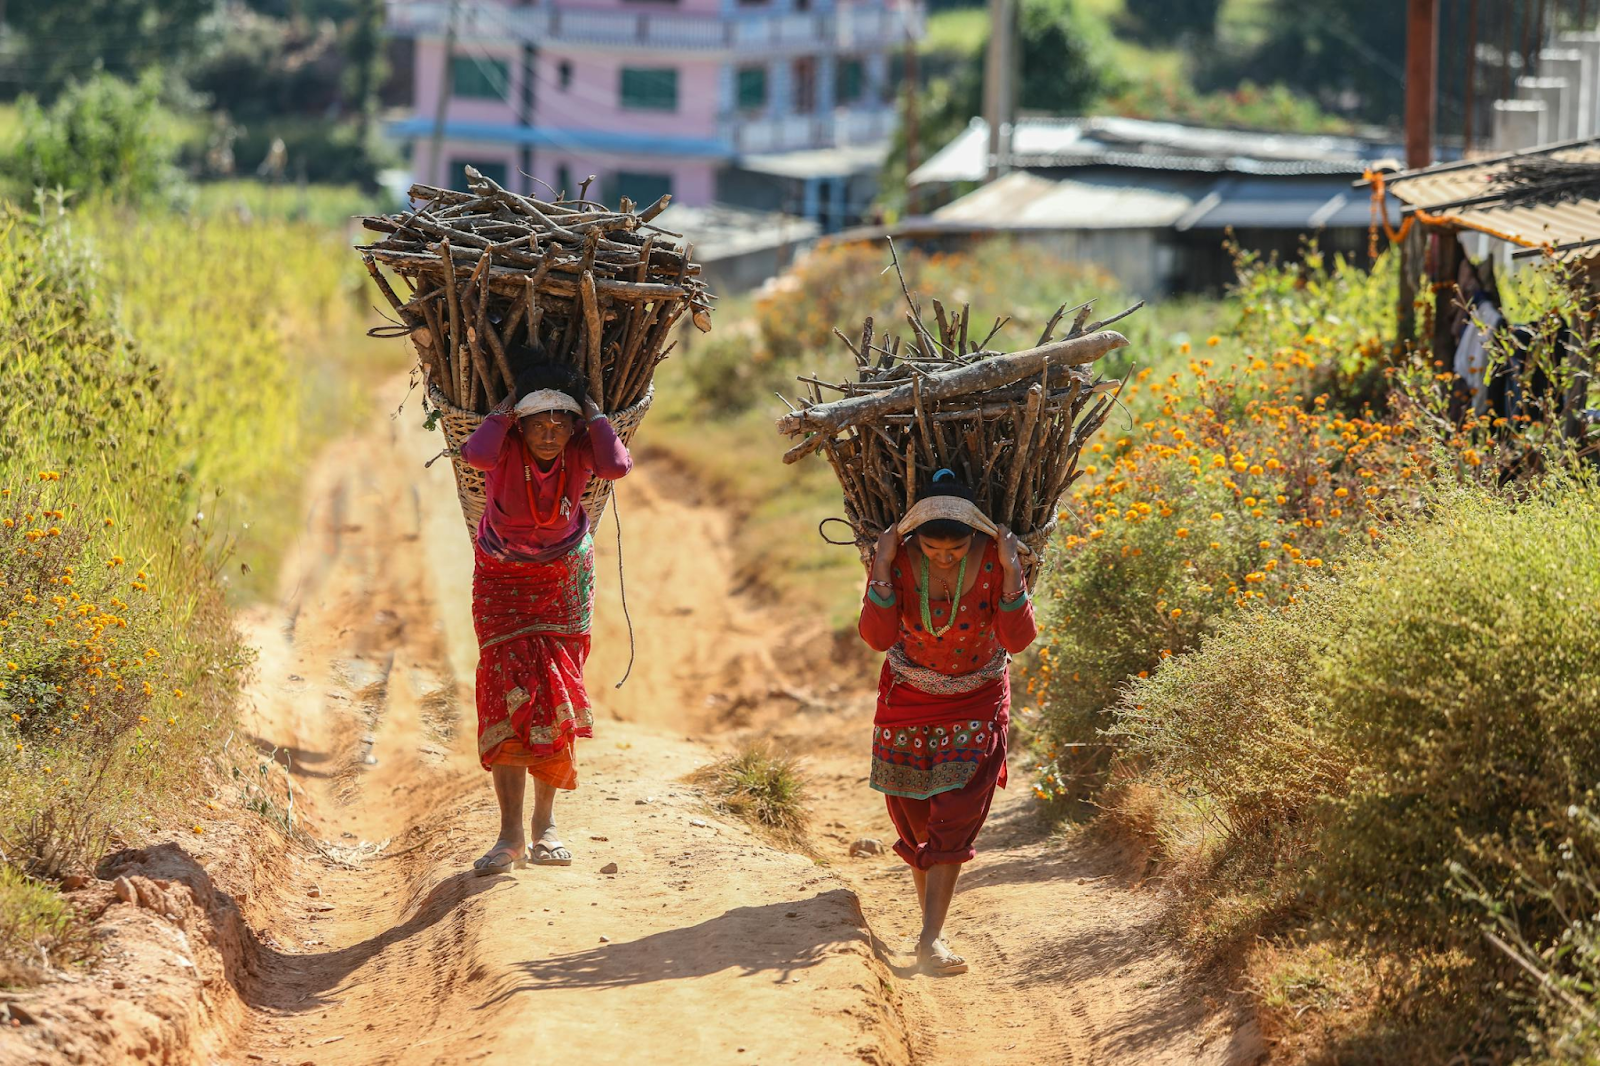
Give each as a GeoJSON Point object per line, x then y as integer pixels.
{"type": "Point", "coordinates": [495, 172]}
{"type": "Point", "coordinates": [640, 187]}
{"type": "Point", "coordinates": [650, 88]}
{"type": "Point", "coordinates": [848, 80]}
{"type": "Point", "coordinates": [480, 79]}
{"type": "Point", "coordinates": [752, 88]}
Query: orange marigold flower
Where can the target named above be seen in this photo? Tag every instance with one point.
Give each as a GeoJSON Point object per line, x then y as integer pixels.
{"type": "Point", "coordinates": [1472, 457]}
{"type": "Point", "coordinates": [1176, 612]}
{"type": "Point", "coordinates": [1181, 531]}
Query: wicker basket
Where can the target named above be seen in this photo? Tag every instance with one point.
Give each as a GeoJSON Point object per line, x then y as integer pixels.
{"type": "Point", "coordinates": [458, 425]}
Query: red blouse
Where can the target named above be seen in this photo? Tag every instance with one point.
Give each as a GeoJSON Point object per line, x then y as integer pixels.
{"type": "Point", "coordinates": [983, 627]}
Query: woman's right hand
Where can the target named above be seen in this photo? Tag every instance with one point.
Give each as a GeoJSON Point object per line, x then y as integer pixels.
{"type": "Point", "coordinates": [505, 406]}
{"type": "Point", "coordinates": [883, 556]}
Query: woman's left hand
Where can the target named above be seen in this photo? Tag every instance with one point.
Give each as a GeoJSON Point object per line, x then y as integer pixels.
{"type": "Point", "coordinates": [1010, 552]}
{"type": "Point", "coordinates": [590, 410]}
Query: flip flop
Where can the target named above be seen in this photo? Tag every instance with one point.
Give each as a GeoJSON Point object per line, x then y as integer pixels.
{"type": "Point", "coordinates": [545, 855]}
{"type": "Point", "coordinates": [512, 859]}
{"type": "Point", "coordinates": [947, 967]}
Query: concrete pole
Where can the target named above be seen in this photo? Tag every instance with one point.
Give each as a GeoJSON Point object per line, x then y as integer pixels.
{"type": "Point", "coordinates": [1422, 48]}
{"type": "Point", "coordinates": [997, 84]}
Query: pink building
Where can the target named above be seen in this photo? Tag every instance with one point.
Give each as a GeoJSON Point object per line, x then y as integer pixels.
{"type": "Point", "coordinates": [779, 104]}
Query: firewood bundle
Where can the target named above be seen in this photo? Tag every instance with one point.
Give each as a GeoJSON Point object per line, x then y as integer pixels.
{"type": "Point", "coordinates": [1011, 426]}
{"type": "Point", "coordinates": [491, 273]}
{"type": "Point", "coordinates": [573, 281]}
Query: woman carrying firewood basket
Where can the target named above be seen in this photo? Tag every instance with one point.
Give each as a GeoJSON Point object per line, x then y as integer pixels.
{"type": "Point", "coordinates": [953, 457]}
{"type": "Point", "coordinates": [533, 598]}
{"type": "Point", "coordinates": [947, 601]}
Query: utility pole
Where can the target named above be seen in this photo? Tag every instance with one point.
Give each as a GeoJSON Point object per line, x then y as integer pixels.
{"type": "Point", "coordinates": [525, 114]}
{"type": "Point", "coordinates": [997, 86]}
{"type": "Point", "coordinates": [442, 108]}
{"type": "Point", "coordinates": [1422, 47]}
{"type": "Point", "coordinates": [913, 148]}
{"type": "Point", "coordinates": [1472, 77]}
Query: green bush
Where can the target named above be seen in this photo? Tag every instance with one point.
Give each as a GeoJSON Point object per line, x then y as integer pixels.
{"type": "Point", "coordinates": [103, 135]}
{"type": "Point", "coordinates": [1430, 707]}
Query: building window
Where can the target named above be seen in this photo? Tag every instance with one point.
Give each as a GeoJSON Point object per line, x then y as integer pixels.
{"type": "Point", "coordinates": [457, 176]}
{"type": "Point", "coordinates": [564, 73]}
{"type": "Point", "coordinates": [752, 88]}
{"type": "Point", "coordinates": [639, 186]}
{"type": "Point", "coordinates": [564, 184]}
{"type": "Point", "coordinates": [847, 81]}
{"type": "Point", "coordinates": [650, 88]}
{"type": "Point", "coordinates": [480, 79]}
{"type": "Point", "coordinates": [805, 85]}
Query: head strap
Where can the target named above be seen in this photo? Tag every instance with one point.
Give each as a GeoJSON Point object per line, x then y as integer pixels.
{"type": "Point", "coordinates": [952, 508]}
{"type": "Point", "coordinates": [542, 400]}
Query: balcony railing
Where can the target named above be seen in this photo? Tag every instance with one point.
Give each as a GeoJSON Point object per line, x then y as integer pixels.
{"type": "Point", "coordinates": [845, 28]}
{"type": "Point", "coordinates": [788, 133]}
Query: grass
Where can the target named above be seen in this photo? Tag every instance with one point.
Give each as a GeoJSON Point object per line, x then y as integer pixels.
{"type": "Point", "coordinates": [166, 377]}
{"type": "Point", "coordinates": [763, 787]}
{"type": "Point", "coordinates": [36, 925]}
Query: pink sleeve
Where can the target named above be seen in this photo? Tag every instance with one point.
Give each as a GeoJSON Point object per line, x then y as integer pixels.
{"type": "Point", "coordinates": [482, 450]}
{"type": "Point", "coordinates": [1015, 627]}
{"type": "Point", "coordinates": [610, 455]}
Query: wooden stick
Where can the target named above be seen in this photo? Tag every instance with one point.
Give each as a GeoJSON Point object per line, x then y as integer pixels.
{"type": "Point", "coordinates": [591, 323]}
{"type": "Point", "coordinates": [974, 378]}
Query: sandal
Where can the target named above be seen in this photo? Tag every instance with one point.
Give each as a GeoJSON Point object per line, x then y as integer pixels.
{"type": "Point", "coordinates": [509, 858]}
{"type": "Point", "coordinates": [947, 966]}
{"type": "Point", "coordinates": [547, 855]}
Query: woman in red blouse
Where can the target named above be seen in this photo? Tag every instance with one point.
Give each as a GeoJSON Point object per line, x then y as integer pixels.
{"type": "Point", "coordinates": [533, 598]}
{"type": "Point", "coordinates": [947, 601]}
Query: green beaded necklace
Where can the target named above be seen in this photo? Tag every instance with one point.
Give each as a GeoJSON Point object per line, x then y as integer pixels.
{"type": "Point", "coordinates": [955, 604]}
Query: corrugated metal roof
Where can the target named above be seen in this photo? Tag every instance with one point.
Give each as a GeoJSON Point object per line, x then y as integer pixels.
{"type": "Point", "coordinates": [1021, 200]}
{"type": "Point", "coordinates": [1439, 193]}
{"type": "Point", "coordinates": [1278, 203]}
{"type": "Point", "coordinates": [1026, 201]}
{"type": "Point", "coordinates": [1137, 143]}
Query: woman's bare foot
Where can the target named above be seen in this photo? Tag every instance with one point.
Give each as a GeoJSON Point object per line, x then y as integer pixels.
{"type": "Point", "coordinates": [937, 958]}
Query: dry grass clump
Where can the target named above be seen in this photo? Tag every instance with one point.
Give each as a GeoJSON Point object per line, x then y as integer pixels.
{"type": "Point", "coordinates": [763, 786]}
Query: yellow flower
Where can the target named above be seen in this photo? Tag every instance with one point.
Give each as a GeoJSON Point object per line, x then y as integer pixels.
{"type": "Point", "coordinates": [1216, 516]}
{"type": "Point", "coordinates": [1181, 532]}
{"type": "Point", "coordinates": [1341, 492]}
{"type": "Point", "coordinates": [1213, 340]}
{"type": "Point", "coordinates": [1177, 612]}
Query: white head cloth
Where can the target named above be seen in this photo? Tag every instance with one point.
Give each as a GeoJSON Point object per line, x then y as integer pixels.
{"type": "Point", "coordinates": [544, 400]}
{"type": "Point", "coordinates": [953, 508]}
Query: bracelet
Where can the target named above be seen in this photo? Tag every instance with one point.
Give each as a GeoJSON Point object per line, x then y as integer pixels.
{"type": "Point", "coordinates": [881, 584]}
{"type": "Point", "coordinates": [1013, 597]}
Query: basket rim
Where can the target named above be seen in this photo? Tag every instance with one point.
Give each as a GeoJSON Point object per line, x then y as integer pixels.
{"type": "Point", "coordinates": [438, 399]}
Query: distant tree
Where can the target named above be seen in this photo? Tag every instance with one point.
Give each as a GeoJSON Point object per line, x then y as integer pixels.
{"type": "Point", "coordinates": [1063, 66]}
{"type": "Point", "coordinates": [67, 39]}
{"type": "Point", "coordinates": [363, 47]}
{"type": "Point", "coordinates": [1063, 56]}
{"type": "Point", "coordinates": [103, 135]}
{"type": "Point", "coordinates": [1349, 56]}
{"type": "Point", "coordinates": [1164, 20]}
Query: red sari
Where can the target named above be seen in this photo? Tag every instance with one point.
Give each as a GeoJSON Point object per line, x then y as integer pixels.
{"type": "Point", "coordinates": [532, 620]}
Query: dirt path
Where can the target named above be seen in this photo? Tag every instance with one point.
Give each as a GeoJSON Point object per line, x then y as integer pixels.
{"type": "Point", "coordinates": [374, 946]}
{"type": "Point", "coordinates": [406, 958]}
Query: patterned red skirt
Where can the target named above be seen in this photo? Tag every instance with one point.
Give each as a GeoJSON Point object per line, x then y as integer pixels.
{"type": "Point", "coordinates": [532, 622]}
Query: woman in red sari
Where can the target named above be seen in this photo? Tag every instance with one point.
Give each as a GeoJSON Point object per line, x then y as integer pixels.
{"type": "Point", "coordinates": [946, 600]}
{"type": "Point", "coordinates": [533, 598]}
